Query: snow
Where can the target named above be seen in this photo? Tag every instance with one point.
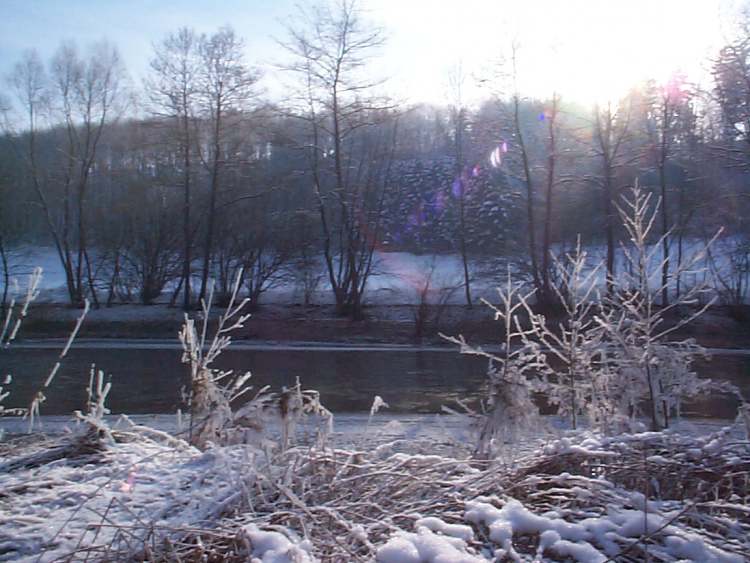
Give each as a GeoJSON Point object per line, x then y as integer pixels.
{"type": "Point", "coordinates": [583, 552]}
{"type": "Point", "coordinates": [275, 547]}
{"type": "Point", "coordinates": [147, 481]}
{"type": "Point", "coordinates": [453, 530]}
{"type": "Point", "coordinates": [514, 518]}
{"type": "Point", "coordinates": [131, 483]}
{"type": "Point", "coordinates": [425, 546]}
{"type": "Point", "coordinates": [396, 280]}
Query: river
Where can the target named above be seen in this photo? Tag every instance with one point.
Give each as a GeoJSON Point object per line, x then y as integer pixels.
{"type": "Point", "coordinates": [146, 377]}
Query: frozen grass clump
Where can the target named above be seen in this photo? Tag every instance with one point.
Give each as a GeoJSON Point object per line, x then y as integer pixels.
{"type": "Point", "coordinates": [586, 497]}
{"type": "Point", "coordinates": [213, 394]}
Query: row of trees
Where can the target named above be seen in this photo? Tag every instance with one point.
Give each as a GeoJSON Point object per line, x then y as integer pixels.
{"type": "Point", "coordinates": [198, 177]}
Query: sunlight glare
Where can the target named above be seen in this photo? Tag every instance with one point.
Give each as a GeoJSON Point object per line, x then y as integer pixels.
{"type": "Point", "coordinates": [588, 52]}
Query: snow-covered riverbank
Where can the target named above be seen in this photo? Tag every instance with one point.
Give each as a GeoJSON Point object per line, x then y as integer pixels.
{"type": "Point", "coordinates": [400, 497]}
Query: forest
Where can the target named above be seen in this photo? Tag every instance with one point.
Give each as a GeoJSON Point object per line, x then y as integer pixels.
{"type": "Point", "coordinates": [156, 188]}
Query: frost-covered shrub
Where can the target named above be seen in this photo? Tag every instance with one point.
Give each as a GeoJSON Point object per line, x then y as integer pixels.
{"type": "Point", "coordinates": [607, 359]}
{"type": "Point", "coordinates": [12, 321]}
{"type": "Point", "coordinates": [580, 385]}
{"type": "Point", "coordinates": [9, 332]}
{"type": "Point", "coordinates": [213, 392]}
{"type": "Point", "coordinates": [512, 374]}
{"type": "Point", "coordinates": [11, 324]}
{"type": "Point", "coordinates": [650, 370]}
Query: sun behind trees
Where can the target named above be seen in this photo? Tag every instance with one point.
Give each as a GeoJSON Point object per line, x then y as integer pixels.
{"type": "Point", "coordinates": [147, 191]}
{"type": "Point", "coordinates": [319, 230]}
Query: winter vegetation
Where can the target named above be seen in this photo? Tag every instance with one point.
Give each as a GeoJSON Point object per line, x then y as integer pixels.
{"type": "Point", "coordinates": [604, 230]}
{"type": "Point", "coordinates": [237, 483]}
{"type": "Point", "coordinates": [148, 191]}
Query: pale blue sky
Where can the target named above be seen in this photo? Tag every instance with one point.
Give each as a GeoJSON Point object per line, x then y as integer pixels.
{"type": "Point", "coordinates": [133, 25]}
{"type": "Point", "coordinates": [585, 49]}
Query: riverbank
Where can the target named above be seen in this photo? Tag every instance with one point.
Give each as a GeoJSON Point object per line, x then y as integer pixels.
{"type": "Point", "coordinates": [402, 325]}
{"type": "Point", "coordinates": [107, 493]}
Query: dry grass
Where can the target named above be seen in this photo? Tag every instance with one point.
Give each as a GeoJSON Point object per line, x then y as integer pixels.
{"type": "Point", "coordinates": [348, 503]}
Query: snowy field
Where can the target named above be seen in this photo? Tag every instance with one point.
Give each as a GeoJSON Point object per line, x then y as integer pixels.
{"type": "Point", "coordinates": [398, 276]}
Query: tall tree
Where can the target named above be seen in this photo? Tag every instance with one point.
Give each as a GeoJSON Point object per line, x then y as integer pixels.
{"type": "Point", "coordinates": [351, 140]}
{"type": "Point", "coordinates": [519, 135]}
{"type": "Point", "coordinates": [462, 176]}
{"type": "Point", "coordinates": [173, 90]}
{"type": "Point", "coordinates": [731, 72]}
{"type": "Point", "coordinates": [668, 102]}
{"type": "Point", "coordinates": [611, 130]}
{"type": "Point", "coordinates": [84, 95]}
{"type": "Point", "coordinates": [227, 86]}
{"type": "Point", "coordinates": [550, 117]}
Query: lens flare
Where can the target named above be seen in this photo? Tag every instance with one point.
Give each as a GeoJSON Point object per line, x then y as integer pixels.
{"type": "Point", "coordinates": [496, 159]}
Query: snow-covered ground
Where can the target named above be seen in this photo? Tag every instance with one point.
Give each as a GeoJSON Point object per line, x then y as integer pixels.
{"type": "Point", "coordinates": [394, 496]}
{"type": "Point", "coordinates": [398, 276]}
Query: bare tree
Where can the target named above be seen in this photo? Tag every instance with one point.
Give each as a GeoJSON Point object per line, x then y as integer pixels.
{"type": "Point", "coordinates": [552, 126]}
{"type": "Point", "coordinates": [227, 86]}
{"type": "Point", "coordinates": [351, 143]}
{"type": "Point", "coordinates": [85, 95]}
{"type": "Point", "coordinates": [516, 101]}
{"type": "Point", "coordinates": [650, 367]}
{"type": "Point", "coordinates": [4, 185]}
{"type": "Point", "coordinates": [173, 90]}
{"type": "Point", "coordinates": [611, 130]}
{"type": "Point", "coordinates": [666, 107]}
{"type": "Point", "coordinates": [462, 177]}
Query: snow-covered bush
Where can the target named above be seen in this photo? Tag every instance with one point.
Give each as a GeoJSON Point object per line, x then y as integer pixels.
{"type": "Point", "coordinates": [651, 370]}
{"type": "Point", "coordinates": [11, 324]}
{"type": "Point", "coordinates": [580, 384]}
{"type": "Point", "coordinates": [512, 374]}
{"type": "Point", "coordinates": [607, 358]}
{"type": "Point", "coordinates": [39, 397]}
{"type": "Point", "coordinates": [13, 320]}
{"type": "Point", "coordinates": [152, 497]}
{"type": "Point", "coordinates": [213, 392]}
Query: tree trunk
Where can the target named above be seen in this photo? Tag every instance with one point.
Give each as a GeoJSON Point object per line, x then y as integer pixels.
{"type": "Point", "coordinates": [664, 233]}
{"type": "Point", "coordinates": [663, 156]}
{"type": "Point", "coordinates": [207, 249]}
{"type": "Point", "coordinates": [6, 278]}
{"type": "Point", "coordinates": [529, 196]}
{"type": "Point", "coordinates": [187, 258]}
{"type": "Point", "coordinates": [547, 242]}
{"type": "Point", "coordinates": [609, 211]}
{"type": "Point", "coordinates": [461, 180]}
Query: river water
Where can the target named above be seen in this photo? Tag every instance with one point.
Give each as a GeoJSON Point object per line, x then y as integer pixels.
{"type": "Point", "coordinates": [147, 380]}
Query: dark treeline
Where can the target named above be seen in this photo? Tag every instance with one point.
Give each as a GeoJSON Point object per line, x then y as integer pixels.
{"type": "Point", "coordinates": [196, 176]}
